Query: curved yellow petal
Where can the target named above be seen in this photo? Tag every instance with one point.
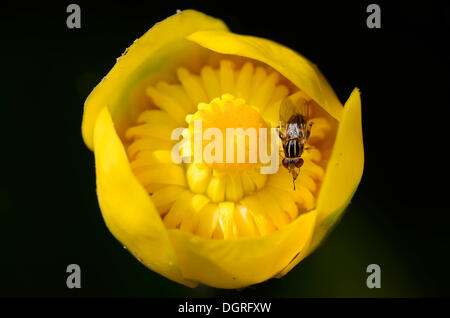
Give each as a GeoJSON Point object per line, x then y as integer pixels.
{"type": "Point", "coordinates": [188, 38]}
{"type": "Point", "coordinates": [343, 173]}
{"type": "Point", "coordinates": [151, 57]}
{"type": "Point", "coordinates": [345, 167]}
{"type": "Point", "coordinates": [304, 74]}
{"type": "Point", "coordinates": [127, 208]}
{"type": "Point", "coordinates": [236, 263]}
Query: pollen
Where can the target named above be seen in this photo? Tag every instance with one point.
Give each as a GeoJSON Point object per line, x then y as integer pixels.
{"type": "Point", "coordinates": [225, 195]}
{"type": "Point", "coordinates": [237, 125]}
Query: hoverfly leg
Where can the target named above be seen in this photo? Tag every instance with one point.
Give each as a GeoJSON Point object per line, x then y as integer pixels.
{"type": "Point", "coordinates": [308, 130]}
{"type": "Point", "coordinates": [280, 133]}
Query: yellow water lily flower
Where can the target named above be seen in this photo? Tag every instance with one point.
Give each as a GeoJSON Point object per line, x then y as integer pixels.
{"type": "Point", "coordinates": [222, 224]}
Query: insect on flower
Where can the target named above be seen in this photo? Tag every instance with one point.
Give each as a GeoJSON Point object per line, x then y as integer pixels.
{"type": "Point", "coordinates": [294, 131]}
{"type": "Point", "coordinates": [224, 225]}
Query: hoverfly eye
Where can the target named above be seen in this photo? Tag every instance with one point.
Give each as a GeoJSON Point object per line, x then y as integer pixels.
{"type": "Point", "coordinates": [299, 162]}
{"type": "Point", "coordinates": [285, 163]}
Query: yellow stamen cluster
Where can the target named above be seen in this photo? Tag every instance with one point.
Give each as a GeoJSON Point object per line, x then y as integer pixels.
{"type": "Point", "coordinates": [221, 200]}
{"type": "Point", "coordinates": [228, 180]}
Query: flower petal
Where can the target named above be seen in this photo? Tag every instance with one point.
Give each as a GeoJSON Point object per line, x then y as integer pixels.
{"type": "Point", "coordinates": [238, 262]}
{"type": "Point", "coordinates": [345, 167]}
{"type": "Point", "coordinates": [127, 208]}
{"type": "Point", "coordinates": [343, 173]}
{"type": "Point", "coordinates": [304, 74]}
{"type": "Point", "coordinates": [151, 57]}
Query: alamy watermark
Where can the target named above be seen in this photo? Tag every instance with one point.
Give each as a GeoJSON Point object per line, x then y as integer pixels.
{"type": "Point", "coordinates": [73, 21]}
{"type": "Point", "coordinates": [74, 279]}
{"type": "Point", "coordinates": [374, 279]}
{"type": "Point", "coordinates": [374, 19]}
{"type": "Point", "coordinates": [213, 152]}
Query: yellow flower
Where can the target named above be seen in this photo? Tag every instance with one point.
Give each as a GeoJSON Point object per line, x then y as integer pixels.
{"type": "Point", "coordinates": [225, 224]}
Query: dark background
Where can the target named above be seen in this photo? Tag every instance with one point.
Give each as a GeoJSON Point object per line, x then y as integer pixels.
{"type": "Point", "coordinates": [49, 215]}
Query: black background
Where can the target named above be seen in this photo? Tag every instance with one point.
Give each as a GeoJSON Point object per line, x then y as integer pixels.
{"type": "Point", "coordinates": [398, 218]}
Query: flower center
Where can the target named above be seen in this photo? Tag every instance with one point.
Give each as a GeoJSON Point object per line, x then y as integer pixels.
{"type": "Point", "coordinates": [230, 160]}
{"type": "Point", "coordinates": [223, 195]}
{"type": "Point", "coordinates": [235, 128]}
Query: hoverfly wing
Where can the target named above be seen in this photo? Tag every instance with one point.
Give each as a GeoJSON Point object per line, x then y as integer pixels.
{"type": "Point", "coordinates": [302, 108]}
{"type": "Point", "coordinates": [287, 109]}
{"type": "Point", "coordinates": [285, 113]}
{"type": "Point", "coordinates": [290, 107]}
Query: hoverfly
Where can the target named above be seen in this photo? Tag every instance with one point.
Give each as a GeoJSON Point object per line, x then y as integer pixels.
{"type": "Point", "coordinates": [294, 131]}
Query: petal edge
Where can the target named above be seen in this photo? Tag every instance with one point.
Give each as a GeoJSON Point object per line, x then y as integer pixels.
{"type": "Point", "coordinates": [126, 207]}
{"type": "Point", "coordinates": [289, 63]}
{"type": "Point", "coordinates": [344, 171]}
{"type": "Point", "coordinates": [157, 51]}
